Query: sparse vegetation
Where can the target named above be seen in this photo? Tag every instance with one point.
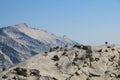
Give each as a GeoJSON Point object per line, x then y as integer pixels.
{"type": "Point", "coordinates": [87, 79]}
{"type": "Point", "coordinates": [75, 59]}
{"type": "Point", "coordinates": [86, 47]}
{"type": "Point", "coordinates": [106, 50]}
{"type": "Point", "coordinates": [4, 76]}
{"type": "Point", "coordinates": [108, 46]}
{"type": "Point", "coordinates": [97, 59]}
{"type": "Point", "coordinates": [56, 64]}
{"type": "Point", "coordinates": [45, 54]}
{"type": "Point", "coordinates": [112, 58]}
{"type": "Point", "coordinates": [89, 55]}
{"type": "Point", "coordinates": [64, 53]}
{"type": "Point", "coordinates": [73, 63]}
{"type": "Point", "coordinates": [3, 69]}
{"type": "Point", "coordinates": [57, 47]}
{"type": "Point", "coordinates": [50, 50]}
{"type": "Point", "coordinates": [54, 78]}
{"type": "Point", "coordinates": [55, 58]}
{"type": "Point", "coordinates": [21, 71]}
{"type": "Point", "coordinates": [61, 48]}
{"type": "Point", "coordinates": [76, 55]}
{"type": "Point", "coordinates": [118, 76]}
{"type": "Point", "coordinates": [100, 50]}
{"type": "Point", "coordinates": [113, 49]}
{"type": "Point", "coordinates": [91, 59]}
{"type": "Point", "coordinates": [34, 72]}
{"type": "Point", "coordinates": [65, 49]}
{"type": "Point", "coordinates": [87, 61]}
{"type": "Point", "coordinates": [89, 52]}
{"type": "Point", "coordinates": [77, 74]}
{"type": "Point", "coordinates": [77, 46]}
{"type": "Point", "coordinates": [14, 78]}
{"type": "Point", "coordinates": [66, 45]}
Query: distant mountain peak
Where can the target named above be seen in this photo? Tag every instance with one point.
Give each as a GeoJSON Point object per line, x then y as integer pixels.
{"type": "Point", "coordinates": [21, 25]}
{"type": "Point", "coordinates": [19, 42]}
{"type": "Point", "coordinates": [65, 37]}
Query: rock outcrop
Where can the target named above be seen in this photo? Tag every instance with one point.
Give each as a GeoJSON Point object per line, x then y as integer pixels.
{"type": "Point", "coordinates": [69, 63]}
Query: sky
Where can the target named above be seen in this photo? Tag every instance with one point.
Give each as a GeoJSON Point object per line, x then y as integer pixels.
{"type": "Point", "coordinates": [90, 22]}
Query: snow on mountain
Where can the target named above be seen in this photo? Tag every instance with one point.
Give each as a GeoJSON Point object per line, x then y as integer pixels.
{"type": "Point", "coordinates": [20, 42]}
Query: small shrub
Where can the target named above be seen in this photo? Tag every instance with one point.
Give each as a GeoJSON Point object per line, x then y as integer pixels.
{"type": "Point", "coordinates": [86, 47]}
{"type": "Point", "coordinates": [118, 76]}
{"type": "Point", "coordinates": [46, 53]}
{"type": "Point", "coordinates": [56, 64]}
{"type": "Point", "coordinates": [77, 73]}
{"type": "Point", "coordinates": [57, 47]}
{"type": "Point", "coordinates": [100, 50]}
{"type": "Point", "coordinates": [112, 58]}
{"type": "Point", "coordinates": [55, 58]}
{"type": "Point", "coordinates": [4, 76]}
{"type": "Point", "coordinates": [54, 78]}
{"type": "Point", "coordinates": [88, 54]}
{"type": "Point", "coordinates": [3, 69]}
{"type": "Point", "coordinates": [88, 51]}
{"type": "Point", "coordinates": [113, 49]}
{"type": "Point", "coordinates": [76, 55]}
{"type": "Point", "coordinates": [34, 72]}
{"type": "Point", "coordinates": [119, 52]}
{"type": "Point", "coordinates": [64, 53]}
{"type": "Point", "coordinates": [65, 49]}
{"type": "Point", "coordinates": [106, 50]}
{"type": "Point", "coordinates": [119, 62]}
{"type": "Point", "coordinates": [73, 63]}
{"type": "Point", "coordinates": [108, 46]}
{"type": "Point", "coordinates": [61, 48]}
{"type": "Point", "coordinates": [84, 65]}
{"type": "Point", "coordinates": [77, 46]}
{"type": "Point", "coordinates": [14, 78]}
{"type": "Point", "coordinates": [91, 59]}
{"type": "Point", "coordinates": [85, 62]}
{"type": "Point", "coordinates": [21, 71]}
{"type": "Point", "coordinates": [87, 79]}
{"type": "Point", "coordinates": [66, 45]}
{"type": "Point", "coordinates": [75, 59]}
{"type": "Point", "coordinates": [97, 59]}
{"type": "Point", "coordinates": [106, 72]}
{"type": "Point", "coordinates": [50, 50]}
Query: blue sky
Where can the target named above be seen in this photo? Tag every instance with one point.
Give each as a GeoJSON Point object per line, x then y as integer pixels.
{"type": "Point", "coordinates": [86, 21]}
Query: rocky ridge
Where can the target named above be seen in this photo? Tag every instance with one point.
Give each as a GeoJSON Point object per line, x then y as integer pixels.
{"type": "Point", "coordinates": [69, 63]}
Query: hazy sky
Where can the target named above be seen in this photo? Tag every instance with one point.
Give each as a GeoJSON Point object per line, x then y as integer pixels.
{"type": "Point", "coordinates": [86, 21]}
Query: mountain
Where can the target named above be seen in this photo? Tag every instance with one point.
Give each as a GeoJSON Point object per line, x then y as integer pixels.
{"type": "Point", "coordinates": [69, 63]}
{"type": "Point", "coordinates": [20, 42]}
